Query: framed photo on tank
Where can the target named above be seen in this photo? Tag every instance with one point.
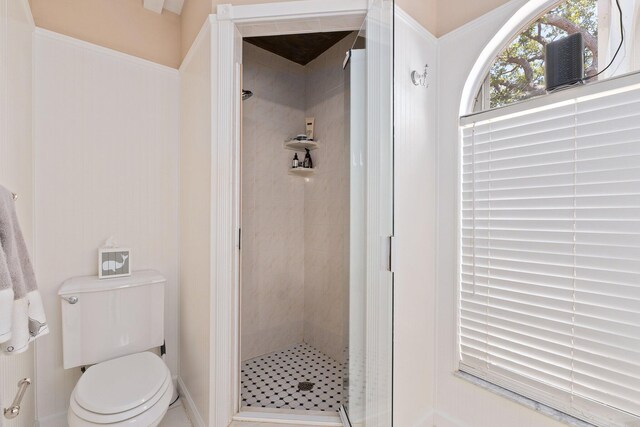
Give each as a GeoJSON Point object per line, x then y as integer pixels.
{"type": "Point", "coordinates": [114, 262]}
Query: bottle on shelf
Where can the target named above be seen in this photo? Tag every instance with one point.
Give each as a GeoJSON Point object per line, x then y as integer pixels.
{"type": "Point", "coordinates": [296, 162]}
{"type": "Point", "coordinates": [310, 123]}
{"type": "Point", "coordinates": [307, 162]}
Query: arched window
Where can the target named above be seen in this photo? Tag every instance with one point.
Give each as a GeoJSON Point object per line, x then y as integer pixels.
{"type": "Point", "coordinates": [517, 73]}
{"type": "Point", "coordinates": [549, 220]}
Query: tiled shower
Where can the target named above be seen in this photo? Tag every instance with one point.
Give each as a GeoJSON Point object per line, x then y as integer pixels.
{"type": "Point", "coordinates": [295, 244]}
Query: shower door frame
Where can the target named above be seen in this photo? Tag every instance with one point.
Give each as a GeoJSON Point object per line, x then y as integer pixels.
{"type": "Point", "coordinates": [228, 27]}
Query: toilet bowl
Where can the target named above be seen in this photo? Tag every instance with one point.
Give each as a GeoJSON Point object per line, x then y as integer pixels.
{"type": "Point", "coordinates": [133, 390]}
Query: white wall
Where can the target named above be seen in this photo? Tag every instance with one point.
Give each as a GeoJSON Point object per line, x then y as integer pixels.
{"type": "Point", "coordinates": [16, 169]}
{"type": "Point", "coordinates": [104, 120]}
{"type": "Point", "coordinates": [628, 59]}
{"type": "Point", "coordinates": [415, 209]}
{"type": "Point", "coordinates": [195, 223]}
{"type": "Point", "coordinates": [106, 161]}
{"type": "Point", "coordinates": [458, 402]}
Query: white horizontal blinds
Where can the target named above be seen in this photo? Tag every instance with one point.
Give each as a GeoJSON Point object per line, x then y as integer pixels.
{"type": "Point", "coordinates": [550, 262]}
{"type": "Point", "coordinates": [607, 310]}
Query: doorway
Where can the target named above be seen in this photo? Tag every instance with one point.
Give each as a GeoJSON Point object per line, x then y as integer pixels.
{"type": "Point", "coordinates": [374, 163]}
{"type": "Point", "coordinates": [295, 223]}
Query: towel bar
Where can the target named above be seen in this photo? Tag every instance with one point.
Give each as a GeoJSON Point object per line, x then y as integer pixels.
{"type": "Point", "coordinates": [14, 410]}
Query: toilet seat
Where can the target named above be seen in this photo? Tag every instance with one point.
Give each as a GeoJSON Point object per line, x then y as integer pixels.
{"type": "Point", "coordinates": [122, 389]}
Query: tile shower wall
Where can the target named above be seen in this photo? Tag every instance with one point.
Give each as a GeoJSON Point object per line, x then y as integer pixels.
{"type": "Point", "coordinates": [326, 208]}
{"type": "Point", "coordinates": [272, 205]}
{"type": "Point", "coordinates": [294, 232]}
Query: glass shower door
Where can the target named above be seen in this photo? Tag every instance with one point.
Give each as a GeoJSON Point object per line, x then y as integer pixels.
{"type": "Point", "coordinates": [368, 376]}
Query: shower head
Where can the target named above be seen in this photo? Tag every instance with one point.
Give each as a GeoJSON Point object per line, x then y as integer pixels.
{"type": "Point", "coordinates": [246, 94]}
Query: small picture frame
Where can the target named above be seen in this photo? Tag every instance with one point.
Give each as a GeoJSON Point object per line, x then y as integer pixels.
{"type": "Point", "coordinates": [114, 262]}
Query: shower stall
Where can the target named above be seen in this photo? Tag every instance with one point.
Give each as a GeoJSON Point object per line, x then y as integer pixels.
{"type": "Point", "coordinates": [315, 308]}
{"type": "Point", "coordinates": [287, 228]}
{"type": "Point", "coordinates": [295, 226]}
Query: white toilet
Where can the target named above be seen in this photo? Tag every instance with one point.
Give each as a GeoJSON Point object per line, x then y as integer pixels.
{"type": "Point", "coordinates": [111, 324]}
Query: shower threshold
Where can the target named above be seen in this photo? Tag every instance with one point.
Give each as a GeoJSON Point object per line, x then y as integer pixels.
{"type": "Point", "coordinates": [288, 416]}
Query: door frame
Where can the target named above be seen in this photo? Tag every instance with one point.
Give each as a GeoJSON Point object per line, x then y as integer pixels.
{"type": "Point", "coordinates": [228, 27]}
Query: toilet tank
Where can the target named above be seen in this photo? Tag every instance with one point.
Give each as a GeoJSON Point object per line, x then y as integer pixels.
{"type": "Point", "coordinates": [107, 318]}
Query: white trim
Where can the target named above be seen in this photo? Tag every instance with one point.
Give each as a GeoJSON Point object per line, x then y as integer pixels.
{"type": "Point", "coordinates": [27, 12]}
{"type": "Point", "coordinates": [514, 25]}
{"type": "Point", "coordinates": [288, 418]}
{"type": "Point", "coordinates": [403, 16]}
{"type": "Point", "coordinates": [224, 401]}
{"type": "Point", "coordinates": [295, 17]}
{"type": "Point", "coordinates": [621, 83]}
{"type": "Point", "coordinates": [55, 420]}
{"type": "Point", "coordinates": [224, 350]}
{"type": "Point", "coordinates": [282, 11]}
{"type": "Point", "coordinates": [524, 401]}
{"type": "Point", "coordinates": [483, 20]}
{"type": "Point", "coordinates": [41, 32]}
{"type": "Point", "coordinates": [153, 5]}
{"type": "Point", "coordinates": [237, 192]}
{"type": "Point", "coordinates": [189, 405]}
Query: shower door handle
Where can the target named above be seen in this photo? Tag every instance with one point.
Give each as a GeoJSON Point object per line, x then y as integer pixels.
{"type": "Point", "coordinates": [390, 254]}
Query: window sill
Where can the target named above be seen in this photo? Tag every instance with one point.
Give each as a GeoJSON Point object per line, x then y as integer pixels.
{"type": "Point", "coordinates": [524, 401]}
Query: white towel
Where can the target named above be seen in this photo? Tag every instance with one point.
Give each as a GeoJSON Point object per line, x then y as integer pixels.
{"type": "Point", "coordinates": [22, 316]}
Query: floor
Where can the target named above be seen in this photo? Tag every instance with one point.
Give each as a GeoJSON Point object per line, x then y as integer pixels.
{"type": "Point", "coordinates": [256, 424]}
{"type": "Point", "coordinates": [273, 380]}
{"type": "Point", "coordinates": [176, 417]}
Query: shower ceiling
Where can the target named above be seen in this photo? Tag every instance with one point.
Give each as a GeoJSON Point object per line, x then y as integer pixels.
{"type": "Point", "coordinates": [299, 48]}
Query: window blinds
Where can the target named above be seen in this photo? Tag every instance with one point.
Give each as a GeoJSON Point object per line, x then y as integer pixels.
{"type": "Point", "coordinates": [550, 250]}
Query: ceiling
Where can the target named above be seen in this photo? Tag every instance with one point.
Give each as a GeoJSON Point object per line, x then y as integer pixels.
{"type": "Point", "coordinates": [299, 48]}
{"type": "Point", "coordinates": [157, 6]}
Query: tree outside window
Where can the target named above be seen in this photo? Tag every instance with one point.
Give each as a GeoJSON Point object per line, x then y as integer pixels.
{"type": "Point", "coordinates": [518, 72]}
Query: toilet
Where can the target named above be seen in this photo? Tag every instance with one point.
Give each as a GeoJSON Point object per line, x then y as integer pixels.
{"type": "Point", "coordinates": [109, 326]}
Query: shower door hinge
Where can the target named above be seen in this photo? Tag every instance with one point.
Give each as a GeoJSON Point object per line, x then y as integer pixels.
{"type": "Point", "coordinates": [392, 254]}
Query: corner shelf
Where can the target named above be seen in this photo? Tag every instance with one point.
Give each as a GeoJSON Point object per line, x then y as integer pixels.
{"type": "Point", "coordinates": [301, 145]}
{"type": "Point", "coordinates": [305, 172]}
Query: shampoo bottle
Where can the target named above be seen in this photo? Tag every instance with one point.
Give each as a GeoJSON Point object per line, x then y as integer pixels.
{"type": "Point", "coordinates": [295, 161]}
{"type": "Point", "coordinates": [307, 163]}
{"type": "Point", "coordinates": [310, 123]}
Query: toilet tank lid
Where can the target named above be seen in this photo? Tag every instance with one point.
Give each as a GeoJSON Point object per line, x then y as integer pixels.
{"type": "Point", "coordinates": [83, 284]}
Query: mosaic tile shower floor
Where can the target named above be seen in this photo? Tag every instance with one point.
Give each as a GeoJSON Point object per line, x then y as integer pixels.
{"type": "Point", "coordinates": [272, 380]}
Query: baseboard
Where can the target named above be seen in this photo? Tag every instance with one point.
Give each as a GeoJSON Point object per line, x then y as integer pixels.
{"type": "Point", "coordinates": [189, 405]}
{"type": "Point", "coordinates": [56, 420]}
{"type": "Point", "coordinates": [174, 380]}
